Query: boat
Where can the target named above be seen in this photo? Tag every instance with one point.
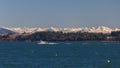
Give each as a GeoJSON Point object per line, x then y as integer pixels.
{"type": "Point", "coordinates": [42, 42]}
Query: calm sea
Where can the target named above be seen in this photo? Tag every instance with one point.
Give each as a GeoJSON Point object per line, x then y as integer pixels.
{"type": "Point", "coordinates": [60, 55]}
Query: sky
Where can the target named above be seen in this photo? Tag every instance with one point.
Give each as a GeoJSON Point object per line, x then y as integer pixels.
{"type": "Point", "coordinates": [59, 13]}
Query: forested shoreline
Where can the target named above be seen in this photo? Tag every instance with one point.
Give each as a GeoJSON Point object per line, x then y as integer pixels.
{"type": "Point", "coordinates": [60, 36]}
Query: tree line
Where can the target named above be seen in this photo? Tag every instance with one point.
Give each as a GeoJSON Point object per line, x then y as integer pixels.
{"type": "Point", "coordinates": [60, 36]}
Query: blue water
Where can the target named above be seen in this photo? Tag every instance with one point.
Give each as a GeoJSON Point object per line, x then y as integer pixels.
{"type": "Point", "coordinates": [60, 55]}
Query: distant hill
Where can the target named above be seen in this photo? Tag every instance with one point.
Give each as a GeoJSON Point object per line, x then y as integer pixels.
{"type": "Point", "coordinates": [5, 31]}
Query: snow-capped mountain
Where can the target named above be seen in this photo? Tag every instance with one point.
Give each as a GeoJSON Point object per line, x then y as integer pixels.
{"type": "Point", "coordinates": [100, 29]}
{"type": "Point", "coordinates": [5, 31]}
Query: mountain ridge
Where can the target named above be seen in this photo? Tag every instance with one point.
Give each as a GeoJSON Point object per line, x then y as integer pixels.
{"type": "Point", "coordinates": [99, 29]}
{"type": "Point", "coordinates": [5, 31]}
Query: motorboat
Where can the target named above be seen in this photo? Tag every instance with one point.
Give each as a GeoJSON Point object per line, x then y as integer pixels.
{"type": "Point", "coordinates": [42, 42]}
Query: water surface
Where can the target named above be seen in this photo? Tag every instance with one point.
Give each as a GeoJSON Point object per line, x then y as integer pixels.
{"type": "Point", "coordinates": [60, 55]}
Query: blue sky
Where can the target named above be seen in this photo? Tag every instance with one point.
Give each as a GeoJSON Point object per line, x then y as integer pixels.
{"type": "Point", "coordinates": [59, 13]}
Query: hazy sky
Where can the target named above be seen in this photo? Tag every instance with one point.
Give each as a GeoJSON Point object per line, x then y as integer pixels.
{"type": "Point", "coordinates": [59, 13]}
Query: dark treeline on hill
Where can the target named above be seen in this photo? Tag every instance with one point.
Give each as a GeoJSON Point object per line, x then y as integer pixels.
{"type": "Point", "coordinates": [116, 35]}
{"type": "Point", "coordinates": [60, 36]}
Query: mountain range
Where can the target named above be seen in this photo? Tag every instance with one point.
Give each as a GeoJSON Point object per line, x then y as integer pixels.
{"type": "Point", "coordinates": [100, 29]}
{"type": "Point", "coordinates": [5, 31]}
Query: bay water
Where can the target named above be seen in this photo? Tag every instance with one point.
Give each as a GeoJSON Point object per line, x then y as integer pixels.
{"type": "Point", "coordinates": [60, 55]}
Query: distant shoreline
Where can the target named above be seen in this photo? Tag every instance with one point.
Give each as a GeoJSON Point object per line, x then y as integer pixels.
{"type": "Point", "coordinates": [60, 36]}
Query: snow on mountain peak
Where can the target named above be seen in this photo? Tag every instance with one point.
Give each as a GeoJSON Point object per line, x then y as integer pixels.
{"type": "Point", "coordinates": [100, 29]}
{"type": "Point", "coordinates": [5, 31]}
